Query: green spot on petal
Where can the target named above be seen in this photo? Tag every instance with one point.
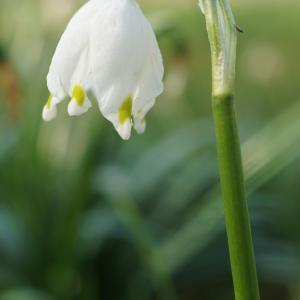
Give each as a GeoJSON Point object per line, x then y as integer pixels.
{"type": "Point", "coordinates": [48, 104]}
{"type": "Point", "coordinates": [125, 110]}
{"type": "Point", "coordinates": [78, 94]}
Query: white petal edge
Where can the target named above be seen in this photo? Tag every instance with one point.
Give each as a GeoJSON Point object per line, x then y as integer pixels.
{"type": "Point", "coordinates": [139, 125]}
{"type": "Point", "coordinates": [74, 109]}
{"type": "Point", "coordinates": [123, 129]}
{"type": "Point", "coordinates": [50, 112]}
{"type": "Point", "coordinates": [69, 65]}
{"type": "Point", "coordinates": [79, 65]}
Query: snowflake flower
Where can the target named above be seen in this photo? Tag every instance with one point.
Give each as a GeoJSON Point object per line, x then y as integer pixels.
{"type": "Point", "coordinates": [108, 52]}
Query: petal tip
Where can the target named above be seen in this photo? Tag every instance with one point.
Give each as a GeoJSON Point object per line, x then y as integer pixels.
{"type": "Point", "coordinates": [74, 109]}
{"type": "Point", "coordinates": [49, 113]}
{"type": "Point", "coordinates": [124, 130]}
{"type": "Point", "coordinates": [140, 125]}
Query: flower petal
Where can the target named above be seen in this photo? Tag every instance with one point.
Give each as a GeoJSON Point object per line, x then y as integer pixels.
{"type": "Point", "coordinates": [79, 103]}
{"type": "Point", "coordinates": [139, 125]}
{"type": "Point", "coordinates": [74, 109]}
{"type": "Point", "coordinates": [150, 85]}
{"type": "Point", "coordinates": [127, 60]}
{"type": "Point", "coordinates": [109, 49]}
{"type": "Point", "coordinates": [70, 63]}
{"type": "Point", "coordinates": [118, 45]}
{"type": "Point", "coordinates": [116, 106]}
{"type": "Point", "coordinates": [50, 110]}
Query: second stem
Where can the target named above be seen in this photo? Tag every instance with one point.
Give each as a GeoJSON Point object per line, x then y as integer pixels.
{"type": "Point", "coordinates": [234, 197]}
{"type": "Point", "coordinates": [222, 33]}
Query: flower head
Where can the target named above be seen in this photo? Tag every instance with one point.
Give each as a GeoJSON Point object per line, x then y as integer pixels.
{"type": "Point", "coordinates": [108, 51]}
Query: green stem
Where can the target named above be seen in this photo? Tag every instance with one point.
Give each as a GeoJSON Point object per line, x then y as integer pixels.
{"type": "Point", "coordinates": [234, 197]}
{"type": "Point", "coordinates": [222, 33]}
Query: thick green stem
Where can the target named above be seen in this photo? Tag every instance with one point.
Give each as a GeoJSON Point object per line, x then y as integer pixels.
{"type": "Point", "coordinates": [222, 33]}
{"type": "Point", "coordinates": [234, 197]}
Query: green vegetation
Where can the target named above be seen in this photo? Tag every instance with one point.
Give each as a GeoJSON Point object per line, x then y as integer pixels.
{"type": "Point", "coordinates": [85, 215]}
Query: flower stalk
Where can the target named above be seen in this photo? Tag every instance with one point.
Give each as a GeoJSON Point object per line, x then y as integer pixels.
{"type": "Point", "coordinates": [222, 33]}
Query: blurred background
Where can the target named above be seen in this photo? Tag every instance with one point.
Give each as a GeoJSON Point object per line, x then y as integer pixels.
{"type": "Point", "coordinates": [87, 216]}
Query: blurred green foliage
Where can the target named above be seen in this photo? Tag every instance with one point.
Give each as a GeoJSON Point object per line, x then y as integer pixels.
{"type": "Point", "coordinates": [84, 215]}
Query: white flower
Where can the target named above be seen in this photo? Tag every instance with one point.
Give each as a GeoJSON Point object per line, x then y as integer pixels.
{"type": "Point", "coordinates": [108, 51]}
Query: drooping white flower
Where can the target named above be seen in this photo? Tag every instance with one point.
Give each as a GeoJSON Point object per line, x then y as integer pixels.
{"type": "Point", "coordinates": [108, 51]}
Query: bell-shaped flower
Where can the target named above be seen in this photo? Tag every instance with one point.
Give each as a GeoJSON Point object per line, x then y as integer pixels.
{"type": "Point", "coordinates": [108, 52]}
